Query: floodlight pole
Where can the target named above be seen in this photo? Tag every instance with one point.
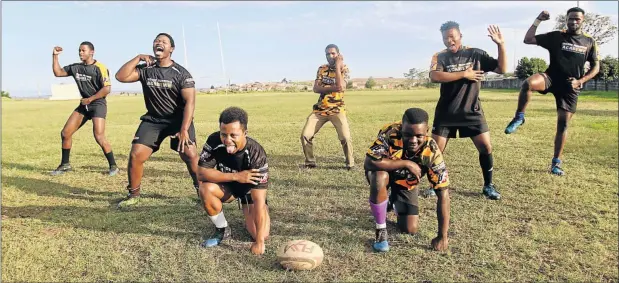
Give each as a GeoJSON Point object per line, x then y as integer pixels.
{"type": "Point", "coordinates": [223, 68]}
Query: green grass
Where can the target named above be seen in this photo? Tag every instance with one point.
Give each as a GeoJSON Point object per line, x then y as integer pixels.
{"type": "Point", "coordinates": [545, 228]}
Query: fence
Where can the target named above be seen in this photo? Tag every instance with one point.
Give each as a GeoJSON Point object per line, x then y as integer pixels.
{"type": "Point", "coordinates": [515, 83]}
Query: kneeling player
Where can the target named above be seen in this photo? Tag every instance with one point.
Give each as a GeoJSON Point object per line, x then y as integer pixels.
{"type": "Point", "coordinates": [399, 157]}
{"type": "Point", "coordinates": [234, 166]}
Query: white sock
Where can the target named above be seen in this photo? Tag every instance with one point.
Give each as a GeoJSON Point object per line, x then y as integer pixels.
{"type": "Point", "coordinates": [381, 226]}
{"type": "Point", "coordinates": [219, 220]}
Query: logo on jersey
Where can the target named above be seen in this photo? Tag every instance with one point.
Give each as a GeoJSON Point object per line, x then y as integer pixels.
{"type": "Point", "coordinates": [225, 169]}
{"type": "Point", "coordinates": [159, 83]}
{"type": "Point", "coordinates": [82, 77]}
{"type": "Point", "coordinates": [265, 177]}
{"type": "Point", "coordinates": [458, 67]}
{"type": "Point", "coordinates": [570, 47]}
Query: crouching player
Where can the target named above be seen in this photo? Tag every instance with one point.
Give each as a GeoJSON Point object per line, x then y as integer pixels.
{"type": "Point", "coordinates": [400, 156]}
{"type": "Point", "coordinates": [234, 166]}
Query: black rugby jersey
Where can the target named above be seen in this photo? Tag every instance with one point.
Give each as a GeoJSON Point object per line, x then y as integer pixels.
{"type": "Point", "coordinates": [90, 79]}
{"type": "Point", "coordinates": [253, 156]}
{"type": "Point", "coordinates": [568, 54]}
{"type": "Point", "coordinates": [162, 91]}
{"type": "Point", "coordinates": [459, 103]}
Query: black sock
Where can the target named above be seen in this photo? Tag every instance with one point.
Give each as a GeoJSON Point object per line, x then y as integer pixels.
{"type": "Point", "coordinates": [486, 162]}
{"type": "Point", "coordinates": [65, 155]}
{"type": "Point", "coordinates": [110, 158]}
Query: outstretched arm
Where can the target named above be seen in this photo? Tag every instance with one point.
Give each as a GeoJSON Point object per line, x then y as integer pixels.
{"type": "Point", "coordinates": [58, 71]}
{"type": "Point", "coordinates": [529, 37]}
{"type": "Point", "coordinates": [497, 37]}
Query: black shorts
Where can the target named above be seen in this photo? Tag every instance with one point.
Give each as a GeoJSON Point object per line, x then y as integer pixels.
{"type": "Point", "coordinates": [406, 201]}
{"type": "Point", "coordinates": [566, 97]}
{"type": "Point", "coordinates": [241, 192]}
{"type": "Point", "coordinates": [464, 131]}
{"type": "Point", "coordinates": [152, 134]}
{"type": "Point", "coordinates": [92, 111]}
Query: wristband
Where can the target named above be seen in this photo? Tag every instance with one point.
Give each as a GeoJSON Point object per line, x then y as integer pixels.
{"type": "Point", "coordinates": [537, 22]}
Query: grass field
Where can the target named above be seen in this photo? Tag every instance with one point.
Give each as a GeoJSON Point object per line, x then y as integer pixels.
{"type": "Point", "coordinates": [545, 228]}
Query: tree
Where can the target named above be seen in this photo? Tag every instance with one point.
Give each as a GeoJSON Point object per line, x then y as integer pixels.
{"type": "Point", "coordinates": [370, 83]}
{"type": "Point", "coordinates": [212, 87]}
{"type": "Point", "coordinates": [349, 85]}
{"type": "Point", "coordinates": [412, 73]}
{"type": "Point", "coordinates": [527, 67]}
{"type": "Point", "coordinates": [6, 94]}
{"type": "Point", "coordinates": [609, 70]}
{"type": "Point", "coordinates": [601, 28]}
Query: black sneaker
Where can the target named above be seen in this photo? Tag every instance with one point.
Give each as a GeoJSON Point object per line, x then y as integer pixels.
{"type": "Point", "coordinates": [220, 235]}
{"type": "Point", "coordinates": [62, 168]}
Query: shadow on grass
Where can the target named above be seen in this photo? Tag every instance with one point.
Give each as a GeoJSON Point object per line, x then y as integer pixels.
{"type": "Point", "coordinates": [168, 221]}
{"type": "Point", "coordinates": [47, 188]}
{"type": "Point", "coordinates": [584, 112]}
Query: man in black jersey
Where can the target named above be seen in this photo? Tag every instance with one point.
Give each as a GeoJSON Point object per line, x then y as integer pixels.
{"type": "Point", "coordinates": [459, 69]}
{"type": "Point", "coordinates": [169, 95]}
{"type": "Point", "coordinates": [93, 81]}
{"type": "Point", "coordinates": [234, 166]}
{"type": "Point", "coordinates": [569, 50]}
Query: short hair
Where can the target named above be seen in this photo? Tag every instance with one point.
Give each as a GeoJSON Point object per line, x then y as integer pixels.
{"type": "Point", "coordinates": [415, 116]}
{"type": "Point", "coordinates": [333, 46]}
{"type": "Point", "coordinates": [169, 37]}
{"type": "Point", "coordinates": [575, 9]}
{"type": "Point", "coordinates": [234, 114]}
{"type": "Point", "coordinates": [89, 44]}
{"type": "Point", "coordinates": [449, 25]}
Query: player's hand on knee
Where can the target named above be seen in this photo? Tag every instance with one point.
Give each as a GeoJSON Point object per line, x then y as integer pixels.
{"type": "Point", "coordinates": [257, 248]}
{"type": "Point", "coordinates": [440, 243]}
{"type": "Point", "coordinates": [183, 141]}
{"type": "Point", "coordinates": [252, 176]}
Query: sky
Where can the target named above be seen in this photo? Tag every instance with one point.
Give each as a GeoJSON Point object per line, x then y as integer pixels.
{"type": "Point", "coordinates": [262, 40]}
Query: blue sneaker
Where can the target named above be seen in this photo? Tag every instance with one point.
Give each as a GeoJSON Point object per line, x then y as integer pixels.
{"type": "Point", "coordinates": [220, 235]}
{"type": "Point", "coordinates": [490, 192]}
{"type": "Point", "coordinates": [428, 193]}
{"type": "Point", "coordinates": [513, 125]}
{"type": "Point", "coordinates": [381, 244]}
{"type": "Point", "coordinates": [555, 169]}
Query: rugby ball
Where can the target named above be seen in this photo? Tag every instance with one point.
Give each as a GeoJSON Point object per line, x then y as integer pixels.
{"type": "Point", "coordinates": [300, 255]}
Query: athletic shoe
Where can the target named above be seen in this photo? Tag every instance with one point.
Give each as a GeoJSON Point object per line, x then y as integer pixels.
{"type": "Point", "coordinates": [428, 193]}
{"type": "Point", "coordinates": [513, 125]}
{"type": "Point", "coordinates": [132, 198]}
{"type": "Point", "coordinates": [381, 244]}
{"type": "Point", "coordinates": [310, 165]}
{"type": "Point", "coordinates": [113, 170]}
{"type": "Point", "coordinates": [219, 235]}
{"type": "Point", "coordinates": [62, 168]}
{"type": "Point", "coordinates": [556, 170]}
{"type": "Point", "coordinates": [490, 192]}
